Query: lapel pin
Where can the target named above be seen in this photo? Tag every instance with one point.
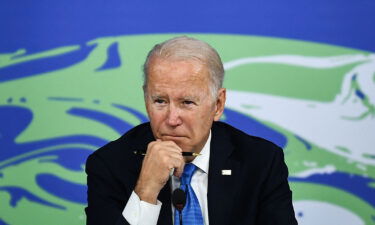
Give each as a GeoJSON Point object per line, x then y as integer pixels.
{"type": "Point", "coordinates": [226, 172]}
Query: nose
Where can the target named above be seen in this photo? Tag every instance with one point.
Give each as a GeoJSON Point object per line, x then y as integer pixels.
{"type": "Point", "coordinates": [174, 118]}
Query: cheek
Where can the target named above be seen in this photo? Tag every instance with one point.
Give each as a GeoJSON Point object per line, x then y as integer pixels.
{"type": "Point", "coordinates": [156, 124]}
{"type": "Point", "coordinates": [155, 117]}
{"type": "Point", "coordinates": [207, 114]}
{"type": "Point", "coordinates": [202, 121]}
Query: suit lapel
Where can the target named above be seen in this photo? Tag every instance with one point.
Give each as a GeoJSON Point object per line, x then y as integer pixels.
{"type": "Point", "coordinates": [221, 188]}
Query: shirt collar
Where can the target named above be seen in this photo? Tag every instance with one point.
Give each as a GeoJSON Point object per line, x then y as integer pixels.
{"type": "Point", "coordinates": [202, 161]}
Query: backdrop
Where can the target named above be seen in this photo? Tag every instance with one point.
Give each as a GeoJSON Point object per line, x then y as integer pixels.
{"type": "Point", "coordinates": [299, 73]}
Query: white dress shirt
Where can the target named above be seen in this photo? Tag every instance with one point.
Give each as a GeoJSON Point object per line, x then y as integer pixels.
{"type": "Point", "coordinates": [139, 212]}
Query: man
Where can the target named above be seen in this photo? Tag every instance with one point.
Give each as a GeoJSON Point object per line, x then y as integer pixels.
{"type": "Point", "coordinates": [236, 179]}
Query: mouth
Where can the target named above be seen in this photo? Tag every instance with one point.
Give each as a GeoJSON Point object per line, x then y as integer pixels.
{"type": "Point", "coordinates": [172, 137]}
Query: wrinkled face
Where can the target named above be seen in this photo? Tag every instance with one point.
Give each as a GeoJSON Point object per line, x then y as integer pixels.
{"type": "Point", "coordinates": [179, 102]}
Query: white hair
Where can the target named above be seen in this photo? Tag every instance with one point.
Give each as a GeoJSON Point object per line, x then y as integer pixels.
{"type": "Point", "coordinates": [187, 48]}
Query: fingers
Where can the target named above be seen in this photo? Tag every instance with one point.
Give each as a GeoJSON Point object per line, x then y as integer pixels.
{"type": "Point", "coordinates": [161, 157]}
{"type": "Point", "coordinates": [162, 146]}
{"type": "Point", "coordinates": [176, 164]}
{"type": "Point", "coordinates": [173, 160]}
{"type": "Point", "coordinates": [179, 169]}
{"type": "Point", "coordinates": [164, 149]}
{"type": "Point", "coordinates": [169, 153]}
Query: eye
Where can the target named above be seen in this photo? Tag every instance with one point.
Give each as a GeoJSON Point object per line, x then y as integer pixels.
{"type": "Point", "coordinates": [188, 102]}
{"type": "Point", "coordinates": [159, 101]}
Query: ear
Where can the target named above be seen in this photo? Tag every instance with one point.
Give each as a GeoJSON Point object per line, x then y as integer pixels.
{"type": "Point", "coordinates": [220, 104]}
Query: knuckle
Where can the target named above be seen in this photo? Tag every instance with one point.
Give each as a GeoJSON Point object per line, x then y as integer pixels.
{"type": "Point", "coordinates": [150, 145]}
{"type": "Point", "coordinates": [165, 160]}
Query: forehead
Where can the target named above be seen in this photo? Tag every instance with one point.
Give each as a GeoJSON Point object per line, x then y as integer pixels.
{"type": "Point", "coordinates": [177, 70]}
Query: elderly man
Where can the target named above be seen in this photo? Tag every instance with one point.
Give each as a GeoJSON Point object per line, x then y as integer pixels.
{"type": "Point", "coordinates": [235, 179]}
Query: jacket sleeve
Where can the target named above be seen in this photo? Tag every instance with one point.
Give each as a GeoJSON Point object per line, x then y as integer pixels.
{"type": "Point", "coordinates": [276, 199]}
{"type": "Point", "coordinates": [104, 196]}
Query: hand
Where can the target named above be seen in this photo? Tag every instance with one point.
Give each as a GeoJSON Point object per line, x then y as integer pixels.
{"type": "Point", "coordinates": [160, 159]}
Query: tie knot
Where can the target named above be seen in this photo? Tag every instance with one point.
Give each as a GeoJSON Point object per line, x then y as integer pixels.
{"type": "Point", "coordinates": [188, 173]}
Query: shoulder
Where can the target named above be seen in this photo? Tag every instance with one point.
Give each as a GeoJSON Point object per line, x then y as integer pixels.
{"type": "Point", "coordinates": [240, 138]}
{"type": "Point", "coordinates": [136, 138]}
{"type": "Point", "coordinates": [245, 145]}
{"type": "Point", "coordinates": [113, 169]}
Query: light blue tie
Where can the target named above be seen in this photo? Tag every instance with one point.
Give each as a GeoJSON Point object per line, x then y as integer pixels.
{"type": "Point", "coordinates": [191, 214]}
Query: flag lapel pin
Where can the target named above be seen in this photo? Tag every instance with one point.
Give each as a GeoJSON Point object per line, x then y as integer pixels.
{"type": "Point", "coordinates": [226, 172]}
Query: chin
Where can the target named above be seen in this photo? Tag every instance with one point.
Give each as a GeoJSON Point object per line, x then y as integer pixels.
{"type": "Point", "coordinates": [184, 146]}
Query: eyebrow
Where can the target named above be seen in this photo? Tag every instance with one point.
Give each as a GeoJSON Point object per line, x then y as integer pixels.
{"type": "Point", "coordinates": [189, 98]}
{"type": "Point", "coordinates": [156, 96]}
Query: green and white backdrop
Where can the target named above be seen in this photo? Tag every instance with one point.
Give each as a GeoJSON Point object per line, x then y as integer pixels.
{"type": "Point", "coordinates": [301, 74]}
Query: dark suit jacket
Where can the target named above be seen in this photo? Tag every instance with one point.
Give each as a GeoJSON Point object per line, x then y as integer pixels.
{"type": "Point", "coordinates": [257, 192]}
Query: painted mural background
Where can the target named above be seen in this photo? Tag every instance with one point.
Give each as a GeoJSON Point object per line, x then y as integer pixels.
{"type": "Point", "coordinates": [299, 74]}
